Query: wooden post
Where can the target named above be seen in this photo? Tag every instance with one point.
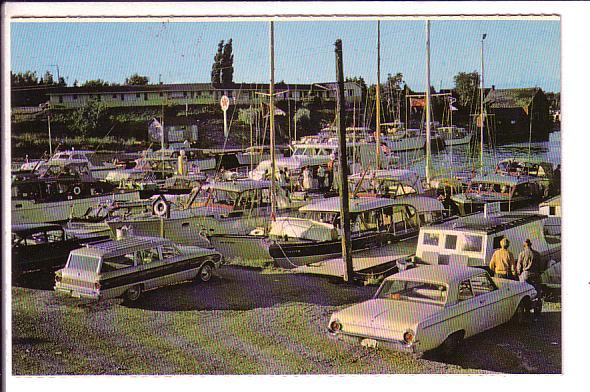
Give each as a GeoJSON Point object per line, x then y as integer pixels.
{"type": "Point", "coordinates": [427, 104]}
{"type": "Point", "coordinates": [378, 99]}
{"type": "Point", "coordinates": [273, 206]}
{"type": "Point", "coordinates": [344, 210]}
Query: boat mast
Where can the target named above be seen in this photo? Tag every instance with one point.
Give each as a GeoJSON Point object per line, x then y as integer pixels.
{"type": "Point", "coordinates": [481, 116]}
{"type": "Point", "coordinates": [427, 102]}
{"type": "Point", "coordinates": [378, 98]}
{"type": "Point", "coordinates": [273, 207]}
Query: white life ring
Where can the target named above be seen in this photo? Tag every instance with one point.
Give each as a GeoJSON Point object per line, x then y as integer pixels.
{"type": "Point", "coordinates": [160, 208]}
{"type": "Point", "coordinates": [77, 190]}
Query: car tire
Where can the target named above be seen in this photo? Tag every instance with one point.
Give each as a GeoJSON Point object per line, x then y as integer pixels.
{"type": "Point", "coordinates": [522, 313]}
{"type": "Point", "coordinates": [132, 294]}
{"type": "Point", "coordinates": [448, 349]}
{"type": "Point", "coordinates": [205, 272]}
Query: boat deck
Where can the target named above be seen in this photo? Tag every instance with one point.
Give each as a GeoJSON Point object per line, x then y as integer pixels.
{"type": "Point", "coordinates": [373, 260]}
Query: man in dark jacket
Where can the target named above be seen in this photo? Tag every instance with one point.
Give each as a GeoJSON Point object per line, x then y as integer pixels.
{"type": "Point", "coordinates": [528, 265]}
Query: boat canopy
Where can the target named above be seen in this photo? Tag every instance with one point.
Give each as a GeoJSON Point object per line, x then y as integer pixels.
{"type": "Point", "coordinates": [237, 186]}
{"type": "Point", "coordinates": [402, 176]}
{"type": "Point", "coordinates": [357, 205]}
{"type": "Point", "coordinates": [501, 179]}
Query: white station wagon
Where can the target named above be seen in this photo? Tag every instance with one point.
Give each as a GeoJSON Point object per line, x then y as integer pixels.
{"type": "Point", "coordinates": [129, 266]}
{"type": "Point", "coordinates": [428, 307]}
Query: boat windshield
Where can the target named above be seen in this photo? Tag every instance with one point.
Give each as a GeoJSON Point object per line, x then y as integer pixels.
{"type": "Point", "coordinates": [410, 291]}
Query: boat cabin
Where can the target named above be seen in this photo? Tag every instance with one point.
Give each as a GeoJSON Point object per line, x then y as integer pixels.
{"type": "Point", "coordinates": [386, 183]}
{"type": "Point", "coordinates": [471, 240]}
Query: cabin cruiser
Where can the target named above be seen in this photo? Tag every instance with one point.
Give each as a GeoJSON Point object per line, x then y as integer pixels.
{"type": "Point", "coordinates": [386, 183]}
{"type": "Point", "coordinates": [252, 156]}
{"type": "Point", "coordinates": [512, 192]}
{"type": "Point", "coordinates": [228, 207]}
{"type": "Point", "coordinates": [195, 157]}
{"type": "Point", "coordinates": [94, 220]}
{"type": "Point", "coordinates": [471, 240]}
{"type": "Point", "coordinates": [58, 191]}
{"type": "Point", "coordinates": [541, 170]}
{"type": "Point", "coordinates": [454, 136]}
{"type": "Point", "coordinates": [314, 234]}
{"type": "Point", "coordinates": [313, 152]}
{"type": "Point", "coordinates": [398, 138]}
{"type": "Point", "coordinates": [98, 168]}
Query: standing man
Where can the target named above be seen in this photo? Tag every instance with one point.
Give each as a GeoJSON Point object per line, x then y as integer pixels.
{"type": "Point", "coordinates": [528, 265]}
{"type": "Point", "coordinates": [503, 264]}
{"type": "Point", "coordinates": [321, 177]}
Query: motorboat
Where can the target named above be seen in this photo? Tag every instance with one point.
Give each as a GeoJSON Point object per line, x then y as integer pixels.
{"type": "Point", "coordinates": [227, 207]}
{"type": "Point", "coordinates": [59, 191]}
{"type": "Point", "coordinates": [512, 192]}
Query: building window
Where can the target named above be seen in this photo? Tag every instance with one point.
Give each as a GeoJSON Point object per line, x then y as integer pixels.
{"type": "Point", "coordinates": [185, 94]}
{"type": "Point", "coordinates": [145, 97]}
{"type": "Point", "coordinates": [114, 95]}
{"type": "Point", "coordinates": [161, 94]}
{"type": "Point", "coordinates": [74, 96]}
{"type": "Point", "coordinates": [99, 97]}
{"type": "Point", "coordinates": [122, 97]}
{"type": "Point", "coordinates": [137, 95]}
{"type": "Point", "coordinates": [61, 99]}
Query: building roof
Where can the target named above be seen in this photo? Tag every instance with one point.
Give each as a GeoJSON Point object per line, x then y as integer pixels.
{"type": "Point", "coordinates": [510, 98]}
{"type": "Point", "coordinates": [279, 87]}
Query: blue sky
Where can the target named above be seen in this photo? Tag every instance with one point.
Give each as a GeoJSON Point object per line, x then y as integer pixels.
{"type": "Point", "coordinates": [518, 53]}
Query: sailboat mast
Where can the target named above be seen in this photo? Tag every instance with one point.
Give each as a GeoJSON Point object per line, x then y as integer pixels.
{"type": "Point", "coordinates": [481, 113]}
{"type": "Point", "coordinates": [273, 207]}
{"type": "Point", "coordinates": [378, 98]}
{"type": "Point", "coordinates": [427, 102]}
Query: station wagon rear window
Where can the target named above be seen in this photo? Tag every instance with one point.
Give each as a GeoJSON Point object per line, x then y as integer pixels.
{"type": "Point", "coordinates": [450, 241]}
{"type": "Point", "coordinates": [472, 243]}
{"type": "Point", "coordinates": [85, 263]}
{"type": "Point", "coordinates": [430, 239]}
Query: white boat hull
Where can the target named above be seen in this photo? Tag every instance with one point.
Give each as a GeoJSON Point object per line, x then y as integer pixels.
{"type": "Point", "coordinates": [458, 141]}
{"type": "Point", "coordinates": [406, 144]}
{"type": "Point", "coordinates": [27, 211]}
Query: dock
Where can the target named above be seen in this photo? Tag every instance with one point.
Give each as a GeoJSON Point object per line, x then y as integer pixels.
{"type": "Point", "coordinates": [371, 261]}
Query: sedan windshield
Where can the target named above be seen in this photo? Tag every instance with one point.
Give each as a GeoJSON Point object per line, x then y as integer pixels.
{"type": "Point", "coordinates": [401, 290]}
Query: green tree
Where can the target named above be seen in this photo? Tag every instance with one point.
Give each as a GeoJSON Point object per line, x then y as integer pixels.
{"type": "Point", "coordinates": [227, 64]}
{"type": "Point", "coordinates": [23, 79]}
{"type": "Point", "coordinates": [216, 68]}
{"type": "Point", "coordinates": [90, 118]}
{"type": "Point", "coordinates": [248, 116]}
{"type": "Point", "coordinates": [466, 88]}
{"type": "Point", "coordinates": [48, 78]}
{"type": "Point", "coordinates": [95, 83]}
{"type": "Point", "coordinates": [136, 80]}
{"type": "Point", "coordinates": [303, 118]}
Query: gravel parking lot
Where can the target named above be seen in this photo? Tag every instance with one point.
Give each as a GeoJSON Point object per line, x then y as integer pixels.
{"type": "Point", "coordinates": [243, 321]}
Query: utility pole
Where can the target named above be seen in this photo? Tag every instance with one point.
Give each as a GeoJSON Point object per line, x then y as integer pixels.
{"type": "Point", "coordinates": [344, 210]}
{"type": "Point", "coordinates": [427, 102]}
{"type": "Point", "coordinates": [273, 207]}
{"type": "Point", "coordinates": [378, 98]}
{"type": "Point", "coordinates": [481, 113]}
{"type": "Point", "coordinates": [49, 131]}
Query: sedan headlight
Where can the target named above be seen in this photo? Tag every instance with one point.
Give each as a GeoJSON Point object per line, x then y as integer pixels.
{"type": "Point", "coordinates": [409, 336]}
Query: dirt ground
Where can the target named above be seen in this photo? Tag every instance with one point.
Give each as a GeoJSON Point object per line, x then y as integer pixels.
{"type": "Point", "coordinates": [243, 321]}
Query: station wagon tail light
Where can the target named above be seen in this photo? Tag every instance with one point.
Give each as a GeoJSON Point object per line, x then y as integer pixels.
{"type": "Point", "coordinates": [57, 277]}
{"type": "Point", "coordinates": [409, 336]}
{"type": "Point", "coordinates": [335, 326]}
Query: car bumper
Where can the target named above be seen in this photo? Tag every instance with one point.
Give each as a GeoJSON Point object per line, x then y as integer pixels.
{"type": "Point", "coordinates": [395, 345]}
{"type": "Point", "coordinates": [77, 293]}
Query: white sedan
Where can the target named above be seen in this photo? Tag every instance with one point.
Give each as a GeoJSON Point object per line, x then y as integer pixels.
{"type": "Point", "coordinates": [428, 307]}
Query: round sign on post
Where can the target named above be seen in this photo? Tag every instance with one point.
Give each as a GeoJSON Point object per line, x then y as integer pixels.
{"type": "Point", "coordinates": [224, 103]}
